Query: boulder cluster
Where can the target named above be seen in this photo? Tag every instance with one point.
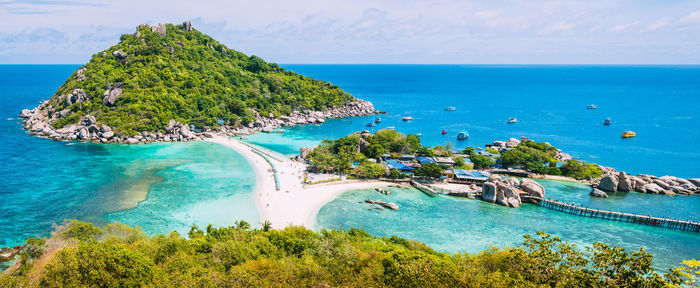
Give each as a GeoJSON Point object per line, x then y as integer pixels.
{"type": "Point", "coordinates": [613, 181]}
{"type": "Point", "coordinates": [38, 122]}
{"type": "Point", "coordinates": [509, 191]}
{"type": "Point", "coordinates": [9, 253]}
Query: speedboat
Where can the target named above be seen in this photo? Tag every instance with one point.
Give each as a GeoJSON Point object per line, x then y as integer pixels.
{"type": "Point", "coordinates": [607, 122]}
{"type": "Point", "coordinates": [370, 124]}
{"type": "Point", "coordinates": [378, 120]}
{"type": "Point", "coordinates": [628, 134]}
{"type": "Point", "coordinates": [512, 120]}
{"type": "Point", "coordinates": [592, 106]}
{"type": "Point", "coordinates": [419, 134]}
{"type": "Point", "coordinates": [443, 132]}
{"type": "Point", "coordinates": [391, 127]}
{"type": "Point", "coordinates": [407, 118]}
{"type": "Point", "coordinates": [462, 135]}
{"type": "Point", "coordinates": [451, 108]}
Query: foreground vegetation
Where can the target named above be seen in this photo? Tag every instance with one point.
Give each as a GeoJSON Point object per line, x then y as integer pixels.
{"type": "Point", "coordinates": [189, 77]}
{"type": "Point", "coordinates": [82, 255]}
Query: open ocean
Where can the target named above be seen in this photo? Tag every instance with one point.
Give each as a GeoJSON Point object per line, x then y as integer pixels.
{"type": "Point", "coordinates": [44, 181]}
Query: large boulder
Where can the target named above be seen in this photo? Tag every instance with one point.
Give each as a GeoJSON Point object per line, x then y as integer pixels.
{"type": "Point", "coordinates": [83, 133]}
{"type": "Point", "coordinates": [187, 26]}
{"type": "Point", "coordinates": [26, 113]}
{"type": "Point", "coordinates": [88, 120]}
{"type": "Point", "coordinates": [653, 188]}
{"type": "Point", "coordinates": [512, 143]}
{"type": "Point", "coordinates": [107, 135]}
{"type": "Point", "coordinates": [532, 188]}
{"type": "Point", "coordinates": [598, 193]}
{"type": "Point", "coordinates": [78, 95]}
{"type": "Point", "coordinates": [119, 54]}
{"type": "Point", "coordinates": [160, 29]}
{"type": "Point", "coordinates": [624, 182]}
{"type": "Point", "coordinates": [695, 181]}
{"type": "Point", "coordinates": [608, 183]}
{"type": "Point", "coordinates": [488, 192]}
{"type": "Point", "coordinates": [111, 96]}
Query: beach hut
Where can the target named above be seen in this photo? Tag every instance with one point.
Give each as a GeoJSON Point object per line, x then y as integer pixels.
{"type": "Point", "coordinates": [471, 175]}
{"type": "Point", "coordinates": [423, 160]}
{"type": "Point", "coordinates": [447, 161]}
{"type": "Point", "coordinates": [393, 164]}
{"type": "Point", "coordinates": [407, 158]}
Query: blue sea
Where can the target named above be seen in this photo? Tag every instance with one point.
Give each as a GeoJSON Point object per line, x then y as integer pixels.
{"type": "Point", "coordinates": [163, 187]}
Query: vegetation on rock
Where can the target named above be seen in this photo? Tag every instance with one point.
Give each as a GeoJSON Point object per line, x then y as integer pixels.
{"type": "Point", "coordinates": [150, 78]}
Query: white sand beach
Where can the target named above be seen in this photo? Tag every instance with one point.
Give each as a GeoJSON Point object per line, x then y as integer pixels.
{"type": "Point", "coordinates": [294, 203]}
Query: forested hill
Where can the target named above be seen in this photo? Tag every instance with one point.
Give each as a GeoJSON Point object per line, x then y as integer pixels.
{"type": "Point", "coordinates": [175, 72]}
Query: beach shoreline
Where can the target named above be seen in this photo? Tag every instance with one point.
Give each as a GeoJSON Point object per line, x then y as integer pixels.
{"type": "Point", "coordinates": [294, 203]}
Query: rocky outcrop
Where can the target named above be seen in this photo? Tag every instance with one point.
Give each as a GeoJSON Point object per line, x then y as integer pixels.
{"type": "Point", "coordinates": [119, 54]}
{"type": "Point", "coordinates": [160, 29]}
{"type": "Point", "coordinates": [608, 183]}
{"type": "Point", "coordinates": [111, 94]}
{"type": "Point", "coordinates": [78, 95]}
{"type": "Point", "coordinates": [512, 143]}
{"type": "Point", "coordinates": [9, 253]}
{"type": "Point", "coordinates": [532, 188]}
{"type": "Point", "coordinates": [80, 74]}
{"type": "Point", "coordinates": [598, 193]}
{"type": "Point", "coordinates": [624, 183]}
{"type": "Point", "coordinates": [502, 192]}
{"type": "Point", "coordinates": [187, 26]}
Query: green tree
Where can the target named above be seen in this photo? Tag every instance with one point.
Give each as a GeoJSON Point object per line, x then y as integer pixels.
{"type": "Point", "coordinates": [369, 170]}
{"type": "Point", "coordinates": [430, 170]}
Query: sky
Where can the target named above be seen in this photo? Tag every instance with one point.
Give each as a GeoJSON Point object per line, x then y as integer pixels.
{"type": "Point", "coordinates": [362, 31]}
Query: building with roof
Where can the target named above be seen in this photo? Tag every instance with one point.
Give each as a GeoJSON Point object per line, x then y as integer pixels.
{"type": "Point", "coordinates": [471, 175]}
{"type": "Point", "coordinates": [394, 164]}
{"type": "Point", "coordinates": [444, 161]}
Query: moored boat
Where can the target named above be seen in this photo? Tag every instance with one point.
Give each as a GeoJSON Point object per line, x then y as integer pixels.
{"type": "Point", "coordinates": [592, 106]}
{"type": "Point", "coordinates": [407, 118]}
{"type": "Point", "coordinates": [419, 134]}
{"type": "Point", "coordinates": [443, 132]}
{"type": "Point", "coordinates": [451, 108]}
{"type": "Point", "coordinates": [607, 122]}
{"type": "Point", "coordinates": [370, 124]}
{"type": "Point", "coordinates": [512, 120]}
{"type": "Point", "coordinates": [378, 120]}
{"type": "Point", "coordinates": [628, 134]}
{"type": "Point", "coordinates": [462, 135]}
{"type": "Point", "coordinates": [391, 127]}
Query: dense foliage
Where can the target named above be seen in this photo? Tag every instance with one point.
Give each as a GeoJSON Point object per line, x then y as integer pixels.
{"type": "Point", "coordinates": [120, 256]}
{"type": "Point", "coordinates": [541, 158]}
{"type": "Point", "coordinates": [478, 161]}
{"type": "Point", "coordinates": [189, 77]}
{"type": "Point", "coordinates": [339, 155]}
{"type": "Point", "coordinates": [581, 170]}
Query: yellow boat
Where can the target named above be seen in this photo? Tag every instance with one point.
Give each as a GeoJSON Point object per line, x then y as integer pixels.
{"type": "Point", "coordinates": [628, 134]}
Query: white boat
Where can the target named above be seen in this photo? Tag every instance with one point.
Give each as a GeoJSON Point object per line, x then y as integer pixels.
{"type": "Point", "coordinates": [451, 108]}
{"type": "Point", "coordinates": [407, 118]}
{"type": "Point", "coordinates": [512, 120]}
{"type": "Point", "coordinates": [607, 122]}
{"type": "Point", "coordinates": [419, 134]}
{"type": "Point", "coordinates": [391, 127]}
{"type": "Point", "coordinates": [592, 106]}
{"type": "Point", "coordinates": [462, 135]}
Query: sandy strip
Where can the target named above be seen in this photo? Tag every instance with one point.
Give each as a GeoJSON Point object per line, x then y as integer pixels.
{"type": "Point", "coordinates": [293, 204]}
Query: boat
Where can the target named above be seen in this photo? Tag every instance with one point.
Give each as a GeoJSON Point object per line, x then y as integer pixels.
{"type": "Point", "coordinates": [378, 120]}
{"type": "Point", "coordinates": [462, 135]}
{"type": "Point", "coordinates": [280, 131]}
{"type": "Point", "coordinates": [592, 106]}
{"type": "Point", "coordinates": [370, 124]}
{"type": "Point", "coordinates": [391, 127]}
{"type": "Point", "coordinates": [419, 134]}
{"type": "Point", "coordinates": [407, 118]}
{"type": "Point", "coordinates": [451, 108]}
{"type": "Point", "coordinates": [512, 120]}
{"type": "Point", "coordinates": [607, 122]}
{"type": "Point", "coordinates": [628, 134]}
{"type": "Point", "coordinates": [443, 132]}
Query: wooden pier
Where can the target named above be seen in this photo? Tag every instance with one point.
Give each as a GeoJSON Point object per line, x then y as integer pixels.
{"type": "Point", "coordinates": [425, 189]}
{"type": "Point", "coordinates": [622, 217]}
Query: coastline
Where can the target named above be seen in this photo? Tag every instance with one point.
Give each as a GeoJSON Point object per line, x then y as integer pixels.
{"type": "Point", "coordinates": [294, 203]}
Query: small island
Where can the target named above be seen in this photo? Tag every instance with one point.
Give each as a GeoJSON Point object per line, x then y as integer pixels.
{"type": "Point", "coordinates": [173, 83]}
{"type": "Point", "coordinates": [391, 156]}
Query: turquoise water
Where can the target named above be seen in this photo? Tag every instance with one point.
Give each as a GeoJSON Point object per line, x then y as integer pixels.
{"type": "Point", "coordinates": [43, 181]}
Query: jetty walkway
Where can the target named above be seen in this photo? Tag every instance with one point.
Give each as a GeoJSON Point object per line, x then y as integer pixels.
{"type": "Point", "coordinates": [267, 157]}
{"type": "Point", "coordinates": [620, 216]}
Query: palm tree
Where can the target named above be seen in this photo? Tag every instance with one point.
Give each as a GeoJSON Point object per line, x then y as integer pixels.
{"type": "Point", "coordinates": [267, 225]}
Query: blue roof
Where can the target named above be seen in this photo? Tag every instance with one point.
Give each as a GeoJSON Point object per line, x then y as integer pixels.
{"type": "Point", "coordinates": [221, 122]}
{"type": "Point", "coordinates": [398, 165]}
{"type": "Point", "coordinates": [424, 160]}
{"type": "Point", "coordinates": [407, 156]}
{"type": "Point", "coordinates": [470, 174]}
